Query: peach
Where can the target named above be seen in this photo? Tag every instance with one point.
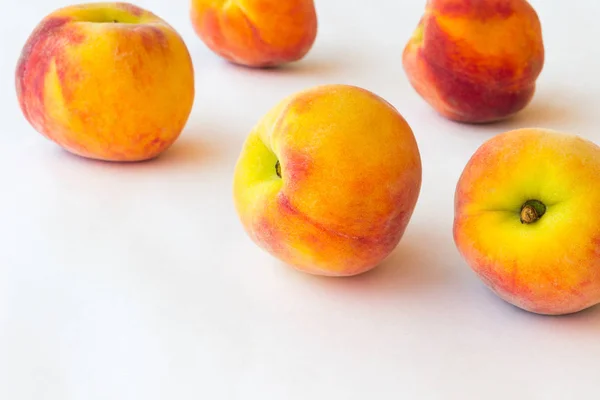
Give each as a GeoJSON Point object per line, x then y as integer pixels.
{"type": "Point", "coordinates": [107, 81]}
{"type": "Point", "coordinates": [476, 61]}
{"type": "Point", "coordinates": [256, 33]}
{"type": "Point", "coordinates": [527, 219]}
{"type": "Point", "coordinates": [328, 180]}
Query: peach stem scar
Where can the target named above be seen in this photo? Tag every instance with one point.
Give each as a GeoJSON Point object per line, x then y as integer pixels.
{"type": "Point", "coordinates": [532, 211]}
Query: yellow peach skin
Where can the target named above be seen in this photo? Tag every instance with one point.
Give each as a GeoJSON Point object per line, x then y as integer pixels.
{"type": "Point", "coordinates": [476, 61]}
{"type": "Point", "coordinates": [107, 81]}
{"type": "Point", "coordinates": [328, 180]}
{"type": "Point", "coordinates": [256, 33]}
{"type": "Point", "coordinates": [527, 219]}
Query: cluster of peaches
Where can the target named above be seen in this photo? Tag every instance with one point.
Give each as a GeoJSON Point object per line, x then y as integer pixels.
{"type": "Point", "coordinates": [328, 180]}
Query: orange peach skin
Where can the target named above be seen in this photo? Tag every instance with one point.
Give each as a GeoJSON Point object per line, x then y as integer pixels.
{"type": "Point", "coordinates": [350, 178]}
{"type": "Point", "coordinates": [476, 61]}
{"type": "Point", "coordinates": [256, 33]}
{"type": "Point", "coordinates": [551, 266]}
{"type": "Point", "coordinates": [107, 81]}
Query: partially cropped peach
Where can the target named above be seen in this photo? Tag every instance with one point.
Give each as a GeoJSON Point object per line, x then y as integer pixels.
{"type": "Point", "coordinates": [476, 61]}
{"type": "Point", "coordinates": [256, 33]}
{"type": "Point", "coordinates": [328, 180]}
{"type": "Point", "coordinates": [107, 81]}
{"type": "Point", "coordinates": [527, 219]}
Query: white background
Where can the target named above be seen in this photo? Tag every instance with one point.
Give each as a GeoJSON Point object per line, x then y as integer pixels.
{"type": "Point", "coordinates": [137, 281]}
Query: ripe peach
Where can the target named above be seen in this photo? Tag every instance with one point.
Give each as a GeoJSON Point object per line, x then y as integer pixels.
{"type": "Point", "coordinates": [256, 33]}
{"type": "Point", "coordinates": [527, 219]}
{"type": "Point", "coordinates": [108, 81]}
{"type": "Point", "coordinates": [476, 61]}
{"type": "Point", "coordinates": [328, 180]}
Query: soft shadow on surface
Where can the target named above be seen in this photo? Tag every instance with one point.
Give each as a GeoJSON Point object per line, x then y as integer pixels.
{"type": "Point", "coordinates": [582, 321]}
{"type": "Point", "coordinates": [585, 322]}
{"type": "Point", "coordinates": [188, 151]}
{"type": "Point", "coordinates": [307, 67]}
{"type": "Point", "coordinates": [541, 113]}
{"type": "Point", "coordinates": [545, 112]}
{"type": "Point", "coordinates": [413, 266]}
{"type": "Point", "coordinates": [589, 317]}
{"type": "Point", "coordinates": [549, 112]}
{"type": "Point", "coordinates": [417, 267]}
{"type": "Point", "coordinates": [321, 62]}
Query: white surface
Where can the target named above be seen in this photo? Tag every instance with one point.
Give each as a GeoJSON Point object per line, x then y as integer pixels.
{"type": "Point", "coordinates": [137, 281]}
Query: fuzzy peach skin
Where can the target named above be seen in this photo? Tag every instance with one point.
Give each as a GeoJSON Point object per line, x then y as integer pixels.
{"type": "Point", "coordinates": [107, 81]}
{"type": "Point", "coordinates": [256, 33]}
{"type": "Point", "coordinates": [547, 263]}
{"type": "Point", "coordinates": [328, 180]}
{"type": "Point", "coordinates": [476, 61]}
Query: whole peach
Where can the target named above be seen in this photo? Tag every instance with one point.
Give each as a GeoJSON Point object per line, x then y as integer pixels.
{"type": "Point", "coordinates": [107, 81]}
{"type": "Point", "coordinates": [256, 33]}
{"type": "Point", "coordinates": [476, 61]}
{"type": "Point", "coordinates": [328, 180]}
